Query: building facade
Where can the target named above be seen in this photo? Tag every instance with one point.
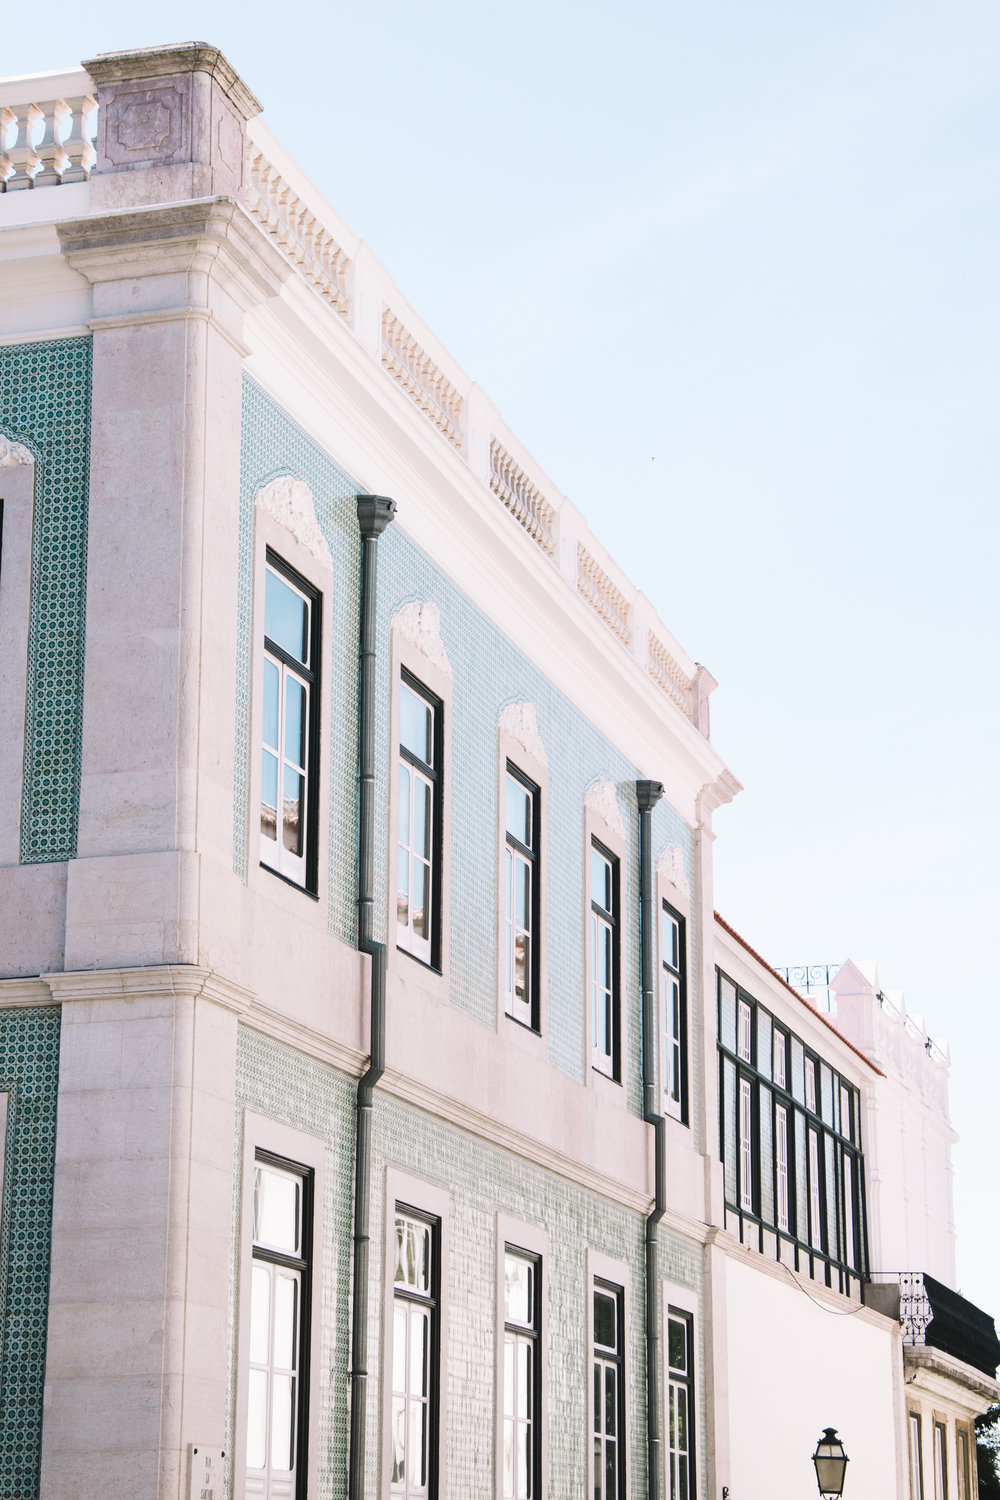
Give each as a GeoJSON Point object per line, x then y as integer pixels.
{"type": "Point", "coordinates": [386, 1112]}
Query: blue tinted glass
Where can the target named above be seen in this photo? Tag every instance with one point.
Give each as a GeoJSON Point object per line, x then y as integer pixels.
{"type": "Point", "coordinates": [416, 724]}
{"type": "Point", "coordinates": [286, 617]}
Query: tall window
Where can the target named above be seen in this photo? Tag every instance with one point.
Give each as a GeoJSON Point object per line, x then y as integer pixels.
{"type": "Point", "coordinates": [418, 861]}
{"type": "Point", "coordinates": [680, 1406]}
{"type": "Point", "coordinates": [673, 1013]}
{"type": "Point", "coordinates": [790, 1142]}
{"type": "Point", "coordinates": [521, 899]}
{"type": "Point", "coordinates": [916, 1456]}
{"type": "Point", "coordinates": [964, 1481]}
{"type": "Point", "coordinates": [279, 1322]}
{"type": "Point", "coordinates": [609, 1393]}
{"type": "Point", "coordinates": [940, 1461]}
{"type": "Point", "coordinates": [521, 1311]}
{"type": "Point", "coordinates": [781, 1165]}
{"type": "Point", "coordinates": [605, 1017]}
{"type": "Point", "coordinates": [414, 1357]}
{"type": "Point", "coordinates": [289, 725]}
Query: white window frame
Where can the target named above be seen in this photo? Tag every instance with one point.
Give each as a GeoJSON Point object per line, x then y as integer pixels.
{"type": "Point", "coordinates": [518, 855]}
{"type": "Point", "coordinates": [744, 1029]}
{"type": "Point", "coordinates": [673, 1017]}
{"type": "Point", "coordinates": [273, 854]}
{"type": "Point", "coordinates": [809, 1082]}
{"type": "Point", "coordinates": [516, 1235]}
{"type": "Point", "coordinates": [914, 1435]}
{"type": "Point", "coordinates": [677, 1303]}
{"type": "Point", "coordinates": [601, 919]}
{"type": "Point", "coordinates": [299, 1149]}
{"type": "Point", "coordinates": [781, 1168]}
{"type": "Point", "coordinates": [779, 1049]}
{"type": "Point", "coordinates": [17, 487]}
{"type": "Point", "coordinates": [746, 1138]}
{"type": "Point", "coordinates": [813, 1154]}
{"type": "Point", "coordinates": [602, 1268]}
{"type": "Point", "coordinates": [940, 1438]}
{"type": "Point", "coordinates": [421, 656]}
{"type": "Point", "coordinates": [431, 1202]}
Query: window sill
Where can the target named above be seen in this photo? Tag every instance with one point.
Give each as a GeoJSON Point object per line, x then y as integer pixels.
{"type": "Point", "coordinates": [296, 885]}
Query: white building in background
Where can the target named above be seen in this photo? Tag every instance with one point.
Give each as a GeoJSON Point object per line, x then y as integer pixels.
{"type": "Point", "coordinates": [386, 1112]}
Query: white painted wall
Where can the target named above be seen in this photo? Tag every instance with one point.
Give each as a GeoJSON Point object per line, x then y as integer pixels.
{"type": "Point", "coordinates": [797, 1364]}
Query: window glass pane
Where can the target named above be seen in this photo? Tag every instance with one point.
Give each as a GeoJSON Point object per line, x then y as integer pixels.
{"type": "Point", "coordinates": [519, 811]}
{"type": "Point", "coordinates": [413, 1254]}
{"type": "Point", "coordinates": [421, 899]}
{"type": "Point", "coordinates": [421, 818]}
{"type": "Point", "coordinates": [286, 1291]}
{"type": "Point", "coordinates": [677, 1344]}
{"type": "Point", "coordinates": [517, 1290]}
{"type": "Point", "coordinates": [295, 720]}
{"type": "Point", "coordinates": [270, 706]}
{"type": "Point", "coordinates": [286, 617]}
{"type": "Point", "coordinates": [744, 1040]}
{"type": "Point", "coordinates": [766, 1156]}
{"type": "Point", "coordinates": [600, 880]}
{"type": "Point", "coordinates": [419, 1351]}
{"type": "Point", "coordinates": [291, 811]}
{"type": "Point", "coordinates": [403, 888]}
{"type": "Point", "coordinates": [727, 1013]}
{"type": "Point", "coordinates": [257, 1420]}
{"type": "Point", "coordinates": [282, 1423]}
{"type": "Point", "coordinates": [826, 1093]}
{"type": "Point", "coordinates": [764, 1046]}
{"type": "Point", "coordinates": [605, 1320]}
{"type": "Point", "coordinates": [780, 1058]}
{"type": "Point", "coordinates": [416, 724]}
{"type": "Point", "coordinates": [399, 1347]}
{"type": "Point", "coordinates": [798, 1071]}
{"type": "Point", "coordinates": [269, 795]}
{"type": "Point", "coordinates": [670, 941]}
{"type": "Point", "coordinates": [260, 1313]}
{"type": "Point", "coordinates": [276, 1209]}
{"type": "Point", "coordinates": [729, 1146]}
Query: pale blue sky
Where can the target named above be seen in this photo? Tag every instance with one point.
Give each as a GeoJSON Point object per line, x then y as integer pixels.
{"type": "Point", "coordinates": [728, 270]}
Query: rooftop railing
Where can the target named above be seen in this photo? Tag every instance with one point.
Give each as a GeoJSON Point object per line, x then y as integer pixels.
{"type": "Point", "coordinates": [931, 1315]}
{"type": "Point", "coordinates": [48, 125]}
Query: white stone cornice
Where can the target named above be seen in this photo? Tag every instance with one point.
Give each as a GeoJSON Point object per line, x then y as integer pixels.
{"type": "Point", "coordinates": [948, 1379]}
{"type": "Point", "coordinates": [420, 624]}
{"type": "Point", "coordinates": [17, 993]}
{"type": "Point", "coordinates": [13, 453]}
{"type": "Point", "coordinates": [290, 502]}
{"type": "Point", "coordinates": [519, 722]}
{"type": "Point", "coordinates": [602, 800]}
{"type": "Point", "coordinates": [670, 867]}
{"type": "Point", "coordinates": [188, 981]}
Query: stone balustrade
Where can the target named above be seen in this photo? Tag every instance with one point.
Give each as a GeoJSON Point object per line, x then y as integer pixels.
{"type": "Point", "coordinates": [669, 676]}
{"type": "Point", "coordinates": [601, 594]}
{"type": "Point", "coordinates": [422, 380]}
{"type": "Point", "coordinates": [46, 129]}
{"type": "Point", "coordinates": [282, 213]}
{"type": "Point", "coordinates": [523, 499]}
{"type": "Point", "coordinates": [48, 123]}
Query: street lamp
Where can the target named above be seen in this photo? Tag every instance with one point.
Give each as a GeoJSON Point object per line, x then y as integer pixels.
{"type": "Point", "coordinates": [831, 1465]}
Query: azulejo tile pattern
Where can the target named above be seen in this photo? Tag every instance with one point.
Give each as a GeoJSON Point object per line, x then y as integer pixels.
{"type": "Point", "coordinates": [29, 1073]}
{"type": "Point", "coordinates": [275, 1081]}
{"type": "Point", "coordinates": [481, 1180]}
{"type": "Point", "coordinates": [45, 404]}
{"type": "Point", "coordinates": [273, 444]}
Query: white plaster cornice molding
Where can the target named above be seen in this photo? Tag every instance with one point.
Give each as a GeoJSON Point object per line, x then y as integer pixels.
{"type": "Point", "coordinates": [13, 453]}
{"type": "Point", "coordinates": [602, 800]}
{"type": "Point", "coordinates": [180, 981]}
{"type": "Point", "coordinates": [420, 624]}
{"type": "Point", "coordinates": [24, 992]}
{"type": "Point", "coordinates": [670, 867]}
{"type": "Point", "coordinates": [290, 502]}
{"type": "Point", "coordinates": [519, 722]}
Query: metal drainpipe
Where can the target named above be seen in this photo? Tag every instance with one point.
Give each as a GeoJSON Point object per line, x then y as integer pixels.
{"type": "Point", "coordinates": [374, 514]}
{"type": "Point", "coordinates": [648, 794]}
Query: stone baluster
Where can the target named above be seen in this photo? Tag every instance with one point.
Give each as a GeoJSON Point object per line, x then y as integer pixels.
{"type": "Point", "coordinates": [49, 148]}
{"type": "Point", "coordinates": [6, 120]}
{"type": "Point", "coordinates": [21, 154]}
{"type": "Point", "coordinates": [78, 147]}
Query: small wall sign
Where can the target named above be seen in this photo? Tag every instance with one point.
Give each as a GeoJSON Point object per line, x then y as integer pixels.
{"type": "Point", "coordinates": [206, 1472]}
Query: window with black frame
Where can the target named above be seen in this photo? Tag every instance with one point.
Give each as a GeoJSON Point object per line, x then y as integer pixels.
{"type": "Point", "coordinates": [521, 898]}
{"type": "Point", "coordinates": [790, 1143]}
{"type": "Point", "coordinates": [418, 817]}
{"type": "Point", "coordinates": [520, 1457]}
{"type": "Point", "coordinates": [609, 1391]}
{"type": "Point", "coordinates": [415, 1334]}
{"type": "Point", "coordinates": [289, 767]}
{"type": "Point", "coordinates": [680, 1405]}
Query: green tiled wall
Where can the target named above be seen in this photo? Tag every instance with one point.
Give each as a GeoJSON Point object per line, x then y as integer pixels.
{"type": "Point", "coordinates": [45, 404]}
{"type": "Point", "coordinates": [29, 1073]}
{"type": "Point", "coordinates": [481, 1180]}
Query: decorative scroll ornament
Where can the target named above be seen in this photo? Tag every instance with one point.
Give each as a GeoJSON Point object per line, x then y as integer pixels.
{"type": "Point", "coordinates": [602, 801]}
{"type": "Point", "coordinates": [670, 867]}
{"type": "Point", "coordinates": [290, 502]}
{"type": "Point", "coordinates": [518, 720]}
{"type": "Point", "coordinates": [12, 453]}
{"type": "Point", "coordinates": [420, 624]}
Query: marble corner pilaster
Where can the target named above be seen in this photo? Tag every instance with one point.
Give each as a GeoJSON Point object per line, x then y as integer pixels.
{"type": "Point", "coordinates": [181, 249]}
